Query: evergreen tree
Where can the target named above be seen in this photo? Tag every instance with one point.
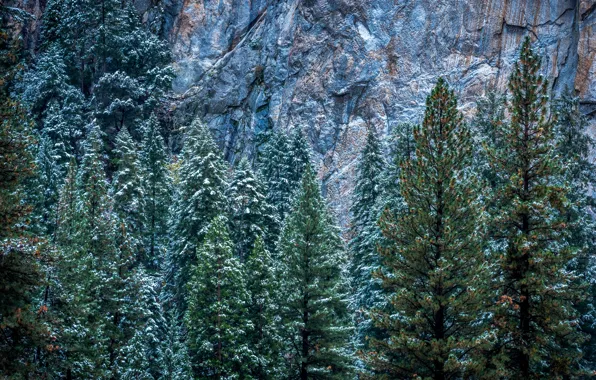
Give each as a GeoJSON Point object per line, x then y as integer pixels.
{"type": "Point", "coordinates": [127, 190]}
{"type": "Point", "coordinates": [313, 298]}
{"type": "Point", "coordinates": [200, 199]}
{"type": "Point", "coordinates": [434, 269]}
{"type": "Point", "coordinates": [275, 167]}
{"type": "Point", "coordinates": [215, 319]}
{"type": "Point", "coordinates": [535, 316]}
{"type": "Point", "coordinates": [263, 336]}
{"type": "Point", "coordinates": [176, 358]}
{"type": "Point", "coordinates": [367, 192]}
{"type": "Point", "coordinates": [574, 146]}
{"type": "Point", "coordinates": [250, 214]}
{"type": "Point", "coordinates": [157, 191]}
{"type": "Point", "coordinates": [22, 330]}
{"type": "Point", "coordinates": [282, 163]}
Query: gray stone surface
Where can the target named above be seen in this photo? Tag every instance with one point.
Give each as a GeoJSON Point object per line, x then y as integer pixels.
{"type": "Point", "coordinates": [337, 67]}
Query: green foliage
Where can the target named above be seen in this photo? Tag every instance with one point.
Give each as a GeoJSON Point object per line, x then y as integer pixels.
{"type": "Point", "coordinates": [313, 298]}
{"type": "Point", "coordinates": [215, 319]}
{"type": "Point", "coordinates": [434, 270]}
{"type": "Point", "coordinates": [535, 316]}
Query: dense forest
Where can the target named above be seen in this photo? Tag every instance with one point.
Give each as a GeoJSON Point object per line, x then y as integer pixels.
{"type": "Point", "coordinates": [125, 254]}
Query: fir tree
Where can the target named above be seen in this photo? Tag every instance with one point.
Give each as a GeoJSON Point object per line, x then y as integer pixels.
{"type": "Point", "coordinates": [263, 336]}
{"type": "Point", "coordinates": [250, 214]}
{"type": "Point", "coordinates": [200, 199]}
{"type": "Point", "coordinates": [217, 330]}
{"type": "Point", "coordinates": [176, 358]}
{"type": "Point", "coordinates": [434, 269]}
{"type": "Point", "coordinates": [535, 316]}
{"type": "Point", "coordinates": [367, 192]}
{"type": "Point", "coordinates": [157, 191]}
{"type": "Point", "coordinates": [127, 191]}
{"type": "Point", "coordinates": [282, 163]}
{"type": "Point", "coordinates": [313, 298]}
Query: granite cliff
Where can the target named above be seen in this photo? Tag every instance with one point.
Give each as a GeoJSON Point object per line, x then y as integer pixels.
{"type": "Point", "coordinates": [337, 67]}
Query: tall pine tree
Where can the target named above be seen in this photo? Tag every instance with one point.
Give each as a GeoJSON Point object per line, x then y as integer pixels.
{"type": "Point", "coordinates": [535, 315]}
{"type": "Point", "coordinates": [434, 270]}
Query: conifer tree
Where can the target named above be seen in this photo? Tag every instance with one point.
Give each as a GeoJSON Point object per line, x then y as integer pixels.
{"type": "Point", "coordinates": [574, 146]}
{"type": "Point", "coordinates": [22, 329]}
{"type": "Point", "coordinates": [275, 165]}
{"type": "Point", "coordinates": [434, 270]}
{"type": "Point", "coordinates": [200, 199]}
{"type": "Point", "coordinates": [215, 319]}
{"type": "Point", "coordinates": [263, 335]}
{"type": "Point", "coordinates": [313, 298]}
{"type": "Point", "coordinates": [127, 191]}
{"type": "Point", "coordinates": [363, 261]}
{"type": "Point", "coordinates": [250, 214]}
{"type": "Point", "coordinates": [176, 358]}
{"type": "Point", "coordinates": [157, 191]}
{"type": "Point", "coordinates": [282, 163]}
{"type": "Point", "coordinates": [535, 315]}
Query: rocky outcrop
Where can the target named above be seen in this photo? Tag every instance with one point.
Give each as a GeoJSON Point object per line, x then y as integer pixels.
{"type": "Point", "coordinates": [337, 67]}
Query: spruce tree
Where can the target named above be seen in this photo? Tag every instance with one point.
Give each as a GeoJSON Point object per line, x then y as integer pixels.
{"type": "Point", "coordinates": [215, 319]}
{"type": "Point", "coordinates": [157, 191]}
{"type": "Point", "coordinates": [434, 271]}
{"type": "Point", "coordinates": [535, 316]}
{"type": "Point", "coordinates": [263, 335]}
{"type": "Point", "coordinates": [363, 261]}
{"type": "Point", "coordinates": [313, 299]}
{"type": "Point", "coordinates": [250, 214]}
{"type": "Point", "coordinates": [200, 199]}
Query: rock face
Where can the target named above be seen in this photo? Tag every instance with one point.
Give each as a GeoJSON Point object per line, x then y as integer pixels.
{"type": "Point", "coordinates": [337, 67]}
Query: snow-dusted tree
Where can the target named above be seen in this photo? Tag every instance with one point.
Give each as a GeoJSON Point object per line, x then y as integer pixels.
{"type": "Point", "coordinates": [434, 269]}
{"type": "Point", "coordinates": [574, 146]}
{"type": "Point", "coordinates": [250, 214]}
{"type": "Point", "coordinates": [157, 191]}
{"type": "Point", "coordinates": [363, 245]}
{"type": "Point", "coordinates": [45, 186]}
{"type": "Point", "coordinates": [216, 315]}
{"type": "Point", "coordinates": [313, 297]}
{"type": "Point", "coordinates": [536, 318]}
{"type": "Point", "coordinates": [263, 336]}
{"type": "Point", "coordinates": [128, 192]}
{"type": "Point", "coordinates": [282, 164]}
{"type": "Point", "coordinates": [176, 363]}
{"type": "Point", "coordinates": [200, 198]}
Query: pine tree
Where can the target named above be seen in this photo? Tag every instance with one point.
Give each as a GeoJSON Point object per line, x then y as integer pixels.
{"type": "Point", "coordinates": [200, 199]}
{"type": "Point", "coordinates": [157, 191]}
{"type": "Point", "coordinates": [313, 298]}
{"type": "Point", "coordinates": [22, 329]}
{"type": "Point", "coordinates": [263, 336]}
{"type": "Point", "coordinates": [367, 192]}
{"type": "Point", "coordinates": [434, 270]}
{"type": "Point", "coordinates": [215, 319]}
{"type": "Point", "coordinates": [250, 214]}
{"type": "Point", "coordinates": [535, 316]}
